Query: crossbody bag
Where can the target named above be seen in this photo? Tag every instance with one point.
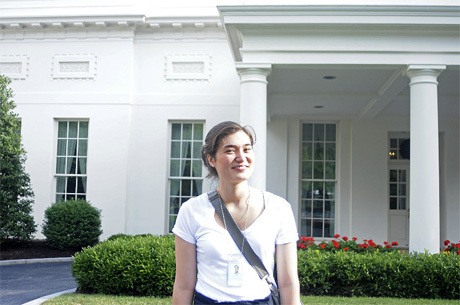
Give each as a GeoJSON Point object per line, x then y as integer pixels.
{"type": "Point", "coordinates": [247, 251]}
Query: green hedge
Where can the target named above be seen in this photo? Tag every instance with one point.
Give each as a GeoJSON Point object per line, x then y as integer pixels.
{"type": "Point", "coordinates": [127, 265]}
{"type": "Point", "coordinates": [72, 224]}
{"type": "Point", "coordinates": [379, 274]}
{"type": "Point", "coordinates": [145, 265]}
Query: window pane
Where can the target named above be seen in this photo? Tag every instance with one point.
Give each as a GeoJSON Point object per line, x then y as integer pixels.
{"type": "Point", "coordinates": [176, 131]}
{"type": "Point", "coordinates": [319, 170]}
{"type": "Point", "coordinates": [72, 148]}
{"type": "Point", "coordinates": [307, 208]}
{"type": "Point", "coordinates": [402, 190]}
{"type": "Point", "coordinates": [329, 209]}
{"type": "Point", "coordinates": [197, 169]}
{"type": "Point", "coordinates": [305, 228]}
{"type": "Point", "coordinates": [73, 129]}
{"type": "Point", "coordinates": [319, 151]}
{"type": "Point", "coordinates": [198, 132]}
{"type": "Point", "coordinates": [60, 165]}
{"type": "Point", "coordinates": [318, 209]}
{"type": "Point", "coordinates": [393, 175]}
{"type": "Point", "coordinates": [330, 170]}
{"type": "Point", "coordinates": [329, 228]}
{"type": "Point", "coordinates": [71, 185]}
{"type": "Point", "coordinates": [59, 197]}
{"type": "Point", "coordinates": [187, 132]}
{"type": "Point", "coordinates": [393, 203]}
{"type": "Point", "coordinates": [330, 132]}
{"type": "Point", "coordinates": [393, 189]}
{"type": "Point", "coordinates": [307, 132]}
{"type": "Point", "coordinates": [62, 129]}
{"type": "Point", "coordinates": [197, 187]}
{"type": "Point", "coordinates": [186, 168]}
{"type": "Point", "coordinates": [196, 150]}
{"type": "Point", "coordinates": [83, 148]}
{"type": "Point", "coordinates": [318, 190]}
{"type": "Point", "coordinates": [319, 132]}
{"type": "Point", "coordinates": [317, 228]}
{"type": "Point", "coordinates": [330, 151]}
{"type": "Point", "coordinates": [71, 165]}
{"type": "Point", "coordinates": [61, 148]}
{"type": "Point", "coordinates": [186, 150]}
{"type": "Point", "coordinates": [330, 190]}
{"type": "Point", "coordinates": [174, 168]}
{"type": "Point", "coordinates": [307, 189]}
{"type": "Point", "coordinates": [174, 205]}
{"type": "Point", "coordinates": [402, 203]}
{"type": "Point", "coordinates": [175, 149]}
{"type": "Point", "coordinates": [186, 188]}
{"type": "Point", "coordinates": [174, 187]}
{"type": "Point", "coordinates": [83, 130]}
{"type": "Point", "coordinates": [307, 170]}
{"type": "Point", "coordinates": [60, 184]}
{"type": "Point", "coordinates": [307, 151]}
{"type": "Point", "coordinates": [81, 185]}
{"type": "Point", "coordinates": [81, 166]}
{"type": "Point", "coordinates": [402, 176]}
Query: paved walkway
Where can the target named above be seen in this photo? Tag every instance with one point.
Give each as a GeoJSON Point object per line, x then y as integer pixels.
{"type": "Point", "coordinates": [32, 281]}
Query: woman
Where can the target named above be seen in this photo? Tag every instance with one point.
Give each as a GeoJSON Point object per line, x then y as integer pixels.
{"type": "Point", "coordinates": [210, 268]}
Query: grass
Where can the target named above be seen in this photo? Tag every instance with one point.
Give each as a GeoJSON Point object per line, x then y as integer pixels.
{"type": "Point", "coordinates": [92, 299]}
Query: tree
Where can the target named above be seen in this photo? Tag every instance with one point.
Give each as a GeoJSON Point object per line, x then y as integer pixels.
{"type": "Point", "coordinates": [16, 194]}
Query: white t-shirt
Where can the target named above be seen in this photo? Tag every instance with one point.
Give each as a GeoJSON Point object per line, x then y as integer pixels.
{"type": "Point", "coordinates": [196, 224]}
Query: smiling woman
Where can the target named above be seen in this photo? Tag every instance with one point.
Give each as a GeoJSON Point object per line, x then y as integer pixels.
{"type": "Point", "coordinates": [210, 266]}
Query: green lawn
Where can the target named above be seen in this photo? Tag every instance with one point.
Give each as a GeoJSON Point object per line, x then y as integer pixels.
{"type": "Point", "coordinates": [85, 299]}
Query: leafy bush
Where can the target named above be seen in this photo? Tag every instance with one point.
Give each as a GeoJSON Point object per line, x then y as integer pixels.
{"type": "Point", "coordinates": [72, 224]}
{"type": "Point", "coordinates": [16, 194]}
{"type": "Point", "coordinates": [343, 243]}
{"type": "Point", "coordinates": [127, 265]}
{"type": "Point", "coordinates": [377, 274]}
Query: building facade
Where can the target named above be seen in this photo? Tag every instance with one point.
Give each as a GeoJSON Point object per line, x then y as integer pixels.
{"type": "Point", "coordinates": [355, 107]}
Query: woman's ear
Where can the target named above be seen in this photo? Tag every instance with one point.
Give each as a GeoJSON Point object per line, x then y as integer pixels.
{"type": "Point", "coordinates": [211, 161]}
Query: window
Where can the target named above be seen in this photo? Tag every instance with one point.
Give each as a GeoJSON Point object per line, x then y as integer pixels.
{"type": "Point", "coordinates": [185, 166]}
{"type": "Point", "coordinates": [398, 189]}
{"type": "Point", "coordinates": [318, 167]}
{"type": "Point", "coordinates": [399, 148]}
{"type": "Point", "coordinates": [71, 160]}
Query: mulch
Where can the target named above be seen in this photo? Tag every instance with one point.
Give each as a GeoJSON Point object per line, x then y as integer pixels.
{"type": "Point", "coordinates": [32, 249]}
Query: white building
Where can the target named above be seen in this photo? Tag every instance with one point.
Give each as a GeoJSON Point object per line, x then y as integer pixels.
{"type": "Point", "coordinates": [115, 98]}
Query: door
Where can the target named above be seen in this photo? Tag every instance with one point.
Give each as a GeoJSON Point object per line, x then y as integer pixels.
{"type": "Point", "coordinates": [398, 205]}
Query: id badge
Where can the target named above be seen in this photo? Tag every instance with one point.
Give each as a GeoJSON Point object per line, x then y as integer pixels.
{"type": "Point", "coordinates": [235, 270]}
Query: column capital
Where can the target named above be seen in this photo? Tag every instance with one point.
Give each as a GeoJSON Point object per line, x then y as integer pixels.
{"type": "Point", "coordinates": [260, 69]}
{"type": "Point", "coordinates": [424, 73]}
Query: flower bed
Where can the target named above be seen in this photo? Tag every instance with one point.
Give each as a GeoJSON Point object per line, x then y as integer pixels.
{"type": "Point", "coordinates": [343, 243]}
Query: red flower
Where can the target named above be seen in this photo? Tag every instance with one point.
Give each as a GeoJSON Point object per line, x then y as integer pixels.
{"type": "Point", "coordinates": [345, 249]}
{"type": "Point", "coordinates": [345, 238]}
{"type": "Point", "coordinates": [336, 244]}
{"type": "Point", "coordinates": [323, 246]}
{"type": "Point", "coordinates": [458, 252]}
{"type": "Point", "coordinates": [385, 243]}
{"type": "Point", "coordinates": [387, 246]}
{"type": "Point", "coordinates": [355, 238]}
{"type": "Point", "coordinates": [336, 235]}
{"type": "Point", "coordinates": [394, 243]}
{"type": "Point", "coordinates": [446, 242]}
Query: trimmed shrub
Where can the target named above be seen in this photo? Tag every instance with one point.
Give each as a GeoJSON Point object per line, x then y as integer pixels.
{"type": "Point", "coordinates": [127, 265]}
{"type": "Point", "coordinates": [376, 274]}
{"type": "Point", "coordinates": [72, 224]}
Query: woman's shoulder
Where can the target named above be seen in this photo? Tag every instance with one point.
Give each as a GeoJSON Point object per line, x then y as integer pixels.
{"type": "Point", "coordinates": [197, 202]}
{"type": "Point", "coordinates": [274, 200]}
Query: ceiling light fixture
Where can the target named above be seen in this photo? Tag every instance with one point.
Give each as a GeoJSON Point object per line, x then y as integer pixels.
{"type": "Point", "coordinates": [318, 107]}
{"type": "Point", "coordinates": [329, 77]}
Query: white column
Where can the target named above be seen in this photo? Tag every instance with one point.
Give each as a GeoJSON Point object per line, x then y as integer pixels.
{"type": "Point", "coordinates": [253, 112]}
{"type": "Point", "coordinates": [424, 232]}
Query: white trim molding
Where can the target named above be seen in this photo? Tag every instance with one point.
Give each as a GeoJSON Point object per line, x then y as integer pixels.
{"type": "Point", "coordinates": [14, 66]}
{"type": "Point", "coordinates": [194, 67]}
{"type": "Point", "coordinates": [74, 66]}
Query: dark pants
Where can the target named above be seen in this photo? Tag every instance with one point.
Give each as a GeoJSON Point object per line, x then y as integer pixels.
{"type": "Point", "coordinates": [202, 300]}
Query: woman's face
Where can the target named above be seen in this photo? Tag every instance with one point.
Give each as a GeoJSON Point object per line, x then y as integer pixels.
{"type": "Point", "coordinates": [234, 159]}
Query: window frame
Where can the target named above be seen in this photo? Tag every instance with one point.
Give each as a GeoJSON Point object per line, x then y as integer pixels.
{"type": "Point", "coordinates": [304, 216]}
{"type": "Point", "coordinates": [81, 178]}
{"type": "Point", "coordinates": [194, 150]}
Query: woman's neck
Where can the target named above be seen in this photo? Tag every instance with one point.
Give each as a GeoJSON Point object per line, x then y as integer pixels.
{"type": "Point", "coordinates": [234, 193]}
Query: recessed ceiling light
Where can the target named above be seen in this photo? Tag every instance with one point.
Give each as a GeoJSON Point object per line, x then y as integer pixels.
{"type": "Point", "coordinates": [318, 107]}
{"type": "Point", "coordinates": [329, 77]}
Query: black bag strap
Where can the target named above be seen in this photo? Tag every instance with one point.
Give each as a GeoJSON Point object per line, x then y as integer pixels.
{"type": "Point", "coordinates": [238, 236]}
